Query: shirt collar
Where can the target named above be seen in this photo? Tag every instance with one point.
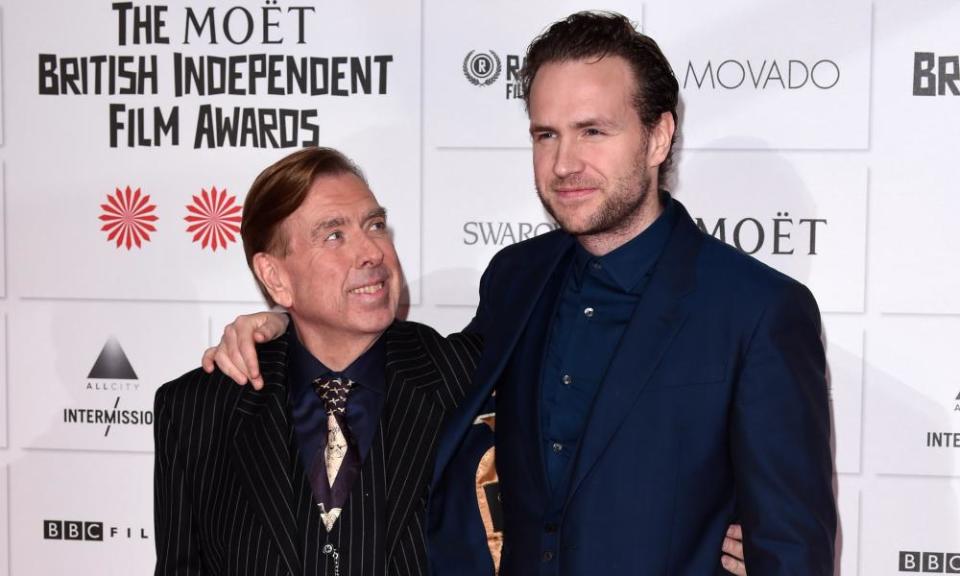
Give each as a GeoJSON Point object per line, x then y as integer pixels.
{"type": "Point", "coordinates": [627, 265]}
{"type": "Point", "coordinates": [367, 370]}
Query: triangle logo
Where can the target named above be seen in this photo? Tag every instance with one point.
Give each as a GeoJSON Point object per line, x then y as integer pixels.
{"type": "Point", "coordinates": [112, 363]}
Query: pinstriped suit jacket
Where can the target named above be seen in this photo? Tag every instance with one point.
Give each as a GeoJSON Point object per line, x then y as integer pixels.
{"type": "Point", "coordinates": [225, 483]}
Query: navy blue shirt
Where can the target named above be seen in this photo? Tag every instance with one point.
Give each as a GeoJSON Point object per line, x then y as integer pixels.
{"type": "Point", "coordinates": [595, 306]}
{"type": "Point", "coordinates": [364, 403]}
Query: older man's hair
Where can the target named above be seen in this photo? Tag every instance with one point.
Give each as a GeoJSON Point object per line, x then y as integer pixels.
{"type": "Point", "coordinates": [594, 35]}
{"type": "Point", "coordinates": [277, 193]}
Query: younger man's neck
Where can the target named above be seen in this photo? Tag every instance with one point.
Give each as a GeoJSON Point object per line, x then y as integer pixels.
{"type": "Point", "coordinates": [637, 223]}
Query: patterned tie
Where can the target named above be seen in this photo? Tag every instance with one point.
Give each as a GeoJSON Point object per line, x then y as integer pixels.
{"type": "Point", "coordinates": [335, 468]}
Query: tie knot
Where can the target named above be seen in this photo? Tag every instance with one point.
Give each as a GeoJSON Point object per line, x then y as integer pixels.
{"type": "Point", "coordinates": [333, 392]}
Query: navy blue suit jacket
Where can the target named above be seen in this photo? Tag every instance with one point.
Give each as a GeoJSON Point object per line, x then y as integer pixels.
{"type": "Point", "coordinates": [714, 409]}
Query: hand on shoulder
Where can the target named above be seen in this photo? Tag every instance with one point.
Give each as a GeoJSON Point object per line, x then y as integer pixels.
{"type": "Point", "coordinates": [236, 354]}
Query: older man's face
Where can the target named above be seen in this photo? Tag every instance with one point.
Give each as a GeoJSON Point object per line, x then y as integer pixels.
{"type": "Point", "coordinates": [341, 270]}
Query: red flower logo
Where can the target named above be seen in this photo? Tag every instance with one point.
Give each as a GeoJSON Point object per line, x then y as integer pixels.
{"type": "Point", "coordinates": [127, 218]}
{"type": "Point", "coordinates": [214, 219]}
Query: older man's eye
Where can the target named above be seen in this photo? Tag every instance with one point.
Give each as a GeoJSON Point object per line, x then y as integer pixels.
{"type": "Point", "coordinates": [378, 225]}
{"type": "Point", "coordinates": [336, 235]}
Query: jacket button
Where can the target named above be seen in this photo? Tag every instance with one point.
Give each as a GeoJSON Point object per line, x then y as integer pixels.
{"type": "Point", "coordinates": [550, 527]}
{"type": "Point", "coordinates": [547, 556]}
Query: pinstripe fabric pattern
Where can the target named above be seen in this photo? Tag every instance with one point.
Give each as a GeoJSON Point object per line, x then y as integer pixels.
{"type": "Point", "coordinates": [229, 488]}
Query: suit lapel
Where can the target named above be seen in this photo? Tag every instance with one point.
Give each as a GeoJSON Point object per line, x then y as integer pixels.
{"type": "Point", "coordinates": [518, 405]}
{"type": "Point", "coordinates": [529, 278]}
{"type": "Point", "coordinates": [411, 417]}
{"type": "Point", "coordinates": [261, 453]}
{"type": "Point", "coordinates": [658, 318]}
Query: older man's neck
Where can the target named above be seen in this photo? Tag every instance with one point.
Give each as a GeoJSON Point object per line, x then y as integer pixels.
{"type": "Point", "coordinates": [335, 350]}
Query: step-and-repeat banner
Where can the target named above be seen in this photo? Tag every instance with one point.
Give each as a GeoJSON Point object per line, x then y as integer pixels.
{"type": "Point", "coordinates": [820, 138]}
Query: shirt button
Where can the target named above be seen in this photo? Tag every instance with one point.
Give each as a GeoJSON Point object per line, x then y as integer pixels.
{"type": "Point", "coordinates": [567, 379]}
{"type": "Point", "coordinates": [588, 312]}
{"type": "Point", "coordinates": [596, 266]}
{"type": "Point", "coordinates": [547, 556]}
{"type": "Point", "coordinates": [557, 447]}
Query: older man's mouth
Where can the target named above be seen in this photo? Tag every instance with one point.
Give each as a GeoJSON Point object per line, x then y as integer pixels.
{"type": "Point", "coordinates": [368, 288]}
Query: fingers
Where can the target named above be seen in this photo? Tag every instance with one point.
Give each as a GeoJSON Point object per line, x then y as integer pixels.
{"type": "Point", "coordinates": [236, 354]}
{"type": "Point", "coordinates": [247, 350]}
{"type": "Point", "coordinates": [267, 326]}
{"type": "Point", "coordinates": [228, 357]}
{"type": "Point", "coordinates": [226, 365]}
{"type": "Point", "coordinates": [732, 559]}
{"type": "Point", "coordinates": [735, 531]}
{"type": "Point", "coordinates": [272, 324]}
{"type": "Point", "coordinates": [207, 360]}
{"type": "Point", "coordinates": [237, 338]}
{"type": "Point", "coordinates": [733, 548]}
{"type": "Point", "coordinates": [218, 357]}
{"type": "Point", "coordinates": [733, 566]}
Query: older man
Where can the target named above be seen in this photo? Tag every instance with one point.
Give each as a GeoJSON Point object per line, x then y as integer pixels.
{"type": "Point", "coordinates": [324, 470]}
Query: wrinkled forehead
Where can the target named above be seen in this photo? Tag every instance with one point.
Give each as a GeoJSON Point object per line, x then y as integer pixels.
{"type": "Point", "coordinates": [341, 192]}
{"type": "Point", "coordinates": [333, 201]}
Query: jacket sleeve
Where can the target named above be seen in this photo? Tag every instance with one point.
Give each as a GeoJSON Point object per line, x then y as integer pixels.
{"type": "Point", "coordinates": [178, 550]}
{"type": "Point", "coordinates": [482, 321]}
{"type": "Point", "coordinates": [780, 442]}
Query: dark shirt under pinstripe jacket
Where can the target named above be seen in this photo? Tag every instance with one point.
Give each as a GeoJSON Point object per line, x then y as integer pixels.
{"type": "Point", "coordinates": [230, 494]}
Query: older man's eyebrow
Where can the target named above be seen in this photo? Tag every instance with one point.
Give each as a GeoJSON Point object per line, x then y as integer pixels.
{"type": "Point", "coordinates": [378, 212]}
{"type": "Point", "coordinates": [331, 223]}
{"type": "Point", "coordinates": [319, 228]}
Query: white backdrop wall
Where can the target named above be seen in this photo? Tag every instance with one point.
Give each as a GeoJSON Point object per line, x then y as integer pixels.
{"type": "Point", "coordinates": [821, 137]}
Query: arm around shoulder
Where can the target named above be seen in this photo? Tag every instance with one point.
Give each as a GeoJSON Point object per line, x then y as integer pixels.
{"type": "Point", "coordinates": [482, 320]}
